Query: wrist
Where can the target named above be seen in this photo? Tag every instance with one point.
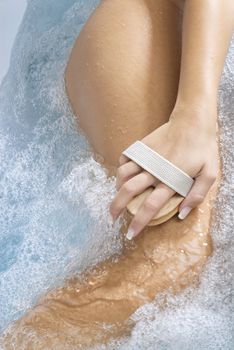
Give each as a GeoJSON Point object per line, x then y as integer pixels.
{"type": "Point", "coordinates": [198, 115]}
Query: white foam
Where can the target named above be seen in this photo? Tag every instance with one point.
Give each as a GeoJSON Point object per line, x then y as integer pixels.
{"type": "Point", "coordinates": [45, 232]}
{"type": "Point", "coordinates": [53, 194]}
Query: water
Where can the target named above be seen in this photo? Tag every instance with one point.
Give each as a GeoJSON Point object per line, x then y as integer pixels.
{"type": "Point", "coordinates": [52, 194]}
{"type": "Point", "coordinates": [47, 168]}
{"type": "Point", "coordinates": [11, 13]}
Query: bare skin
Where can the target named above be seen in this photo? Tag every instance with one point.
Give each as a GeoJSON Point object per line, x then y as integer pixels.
{"type": "Point", "coordinates": [194, 113]}
{"type": "Point", "coordinates": [122, 81]}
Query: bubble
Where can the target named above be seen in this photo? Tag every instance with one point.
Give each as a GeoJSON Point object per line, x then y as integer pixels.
{"type": "Point", "coordinates": [54, 196]}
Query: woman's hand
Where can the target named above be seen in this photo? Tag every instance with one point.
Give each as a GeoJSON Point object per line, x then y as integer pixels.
{"type": "Point", "coordinates": [188, 140]}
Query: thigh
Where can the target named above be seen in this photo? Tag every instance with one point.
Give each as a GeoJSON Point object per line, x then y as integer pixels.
{"type": "Point", "coordinates": [123, 72]}
{"type": "Point", "coordinates": [122, 80]}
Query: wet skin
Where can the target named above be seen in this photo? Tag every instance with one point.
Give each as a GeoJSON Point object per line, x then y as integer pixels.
{"type": "Point", "coordinates": [122, 80]}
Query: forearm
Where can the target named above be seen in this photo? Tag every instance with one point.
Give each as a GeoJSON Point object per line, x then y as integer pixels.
{"type": "Point", "coordinates": [207, 30]}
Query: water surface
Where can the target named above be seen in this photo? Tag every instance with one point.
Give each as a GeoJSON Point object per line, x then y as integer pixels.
{"type": "Point", "coordinates": [53, 193]}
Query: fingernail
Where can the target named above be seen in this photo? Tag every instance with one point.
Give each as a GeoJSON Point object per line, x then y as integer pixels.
{"type": "Point", "coordinates": [130, 234]}
{"type": "Point", "coordinates": [184, 212]}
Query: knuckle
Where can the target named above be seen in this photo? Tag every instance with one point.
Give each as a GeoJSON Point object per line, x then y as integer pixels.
{"type": "Point", "coordinates": [116, 211]}
{"type": "Point", "coordinates": [114, 208]}
{"type": "Point", "coordinates": [150, 204]}
{"type": "Point", "coordinates": [137, 223]}
{"type": "Point", "coordinates": [121, 173]}
{"type": "Point", "coordinates": [147, 176]}
{"type": "Point", "coordinates": [121, 158]}
{"type": "Point", "coordinates": [128, 188]}
{"type": "Point", "coordinates": [197, 198]}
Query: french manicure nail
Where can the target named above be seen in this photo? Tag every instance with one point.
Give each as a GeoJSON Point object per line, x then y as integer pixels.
{"type": "Point", "coordinates": [130, 234]}
{"type": "Point", "coordinates": [184, 212]}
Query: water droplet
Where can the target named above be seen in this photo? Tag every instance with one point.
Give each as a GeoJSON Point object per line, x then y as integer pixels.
{"type": "Point", "coordinates": [197, 227]}
{"type": "Point", "coordinates": [120, 130]}
{"type": "Point", "coordinates": [91, 283]}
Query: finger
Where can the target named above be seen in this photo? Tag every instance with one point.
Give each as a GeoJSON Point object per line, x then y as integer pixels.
{"type": "Point", "coordinates": [130, 189]}
{"type": "Point", "coordinates": [149, 208]}
{"type": "Point", "coordinates": [123, 159]}
{"type": "Point", "coordinates": [125, 172]}
{"type": "Point", "coordinates": [198, 192]}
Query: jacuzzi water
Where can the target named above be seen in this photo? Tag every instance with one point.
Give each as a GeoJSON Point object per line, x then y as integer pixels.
{"type": "Point", "coordinates": [53, 193]}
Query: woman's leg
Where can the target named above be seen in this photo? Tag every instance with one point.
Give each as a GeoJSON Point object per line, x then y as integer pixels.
{"type": "Point", "coordinates": [122, 80]}
{"type": "Point", "coordinates": [123, 72]}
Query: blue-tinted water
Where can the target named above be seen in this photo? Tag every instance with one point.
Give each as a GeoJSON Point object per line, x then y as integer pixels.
{"type": "Point", "coordinates": [47, 222]}
{"type": "Point", "coordinates": [54, 196]}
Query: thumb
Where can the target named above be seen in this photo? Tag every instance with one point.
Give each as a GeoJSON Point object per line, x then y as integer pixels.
{"type": "Point", "coordinates": [198, 192]}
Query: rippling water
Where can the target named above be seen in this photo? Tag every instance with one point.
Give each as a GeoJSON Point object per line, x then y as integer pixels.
{"type": "Point", "coordinates": [53, 193]}
{"type": "Point", "coordinates": [47, 219]}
